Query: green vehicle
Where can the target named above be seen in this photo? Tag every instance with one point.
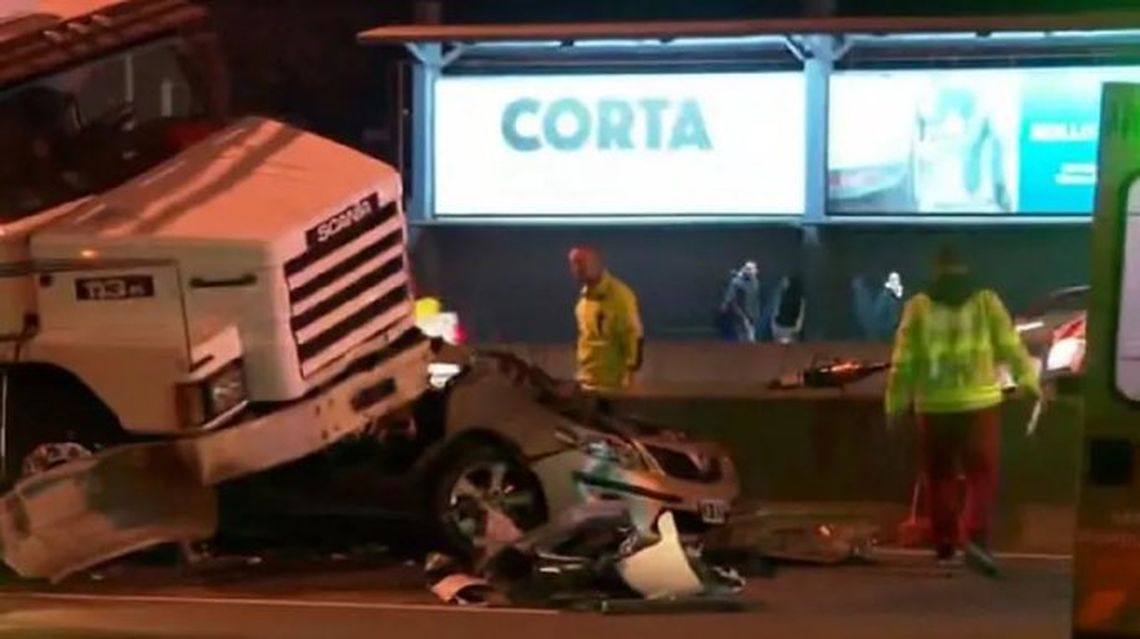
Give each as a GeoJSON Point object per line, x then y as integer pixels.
{"type": "Point", "coordinates": [1107, 552]}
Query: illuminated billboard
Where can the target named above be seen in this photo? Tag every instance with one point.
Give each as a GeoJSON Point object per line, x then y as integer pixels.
{"type": "Point", "coordinates": [619, 144]}
{"type": "Point", "coordinates": [991, 141]}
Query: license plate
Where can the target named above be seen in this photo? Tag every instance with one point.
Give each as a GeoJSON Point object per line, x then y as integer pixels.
{"type": "Point", "coordinates": [713, 511]}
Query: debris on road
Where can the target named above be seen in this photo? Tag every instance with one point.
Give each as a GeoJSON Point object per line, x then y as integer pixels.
{"type": "Point", "coordinates": [591, 557]}
{"type": "Point", "coordinates": [838, 373]}
{"type": "Point", "coordinates": [449, 582]}
{"type": "Point", "coordinates": [803, 537]}
{"type": "Point", "coordinates": [663, 569]}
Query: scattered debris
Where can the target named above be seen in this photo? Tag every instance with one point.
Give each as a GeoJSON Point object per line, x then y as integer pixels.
{"type": "Point", "coordinates": [663, 569]}
{"type": "Point", "coordinates": [200, 558]}
{"type": "Point", "coordinates": [818, 542]}
{"type": "Point", "coordinates": [591, 557]}
{"type": "Point", "coordinates": [838, 373]}
{"type": "Point", "coordinates": [449, 582]}
{"type": "Point", "coordinates": [803, 537]}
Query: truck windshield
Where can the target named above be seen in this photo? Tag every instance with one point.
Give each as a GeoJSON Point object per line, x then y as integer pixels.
{"type": "Point", "coordinates": [90, 127]}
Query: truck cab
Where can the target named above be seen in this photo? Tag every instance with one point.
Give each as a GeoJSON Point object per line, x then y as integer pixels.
{"type": "Point", "coordinates": [185, 298]}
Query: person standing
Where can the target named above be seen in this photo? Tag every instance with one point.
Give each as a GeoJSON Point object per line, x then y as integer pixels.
{"type": "Point", "coordinates": [879, 314]}
{"type": "Point", "coordinates": [610, 334]}
{"type": "Point", "coordinates": [789, 306]}
{"type": "Point", "coordinates": [947, 349]}
{"type": "Point", "coordinates": [742, 302]}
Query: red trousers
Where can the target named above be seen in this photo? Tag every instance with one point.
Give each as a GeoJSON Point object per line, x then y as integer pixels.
{"type": "Point", "coordinates": [952, 444]}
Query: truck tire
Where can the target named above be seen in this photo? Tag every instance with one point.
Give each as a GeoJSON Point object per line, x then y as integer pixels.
{"type": "Point", "coordinates": [476, 485]}
{"type": "Point", "coordinates": [51, 418]}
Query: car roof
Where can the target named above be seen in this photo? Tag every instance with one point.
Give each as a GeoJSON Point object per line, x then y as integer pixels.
{"type": "Point", "coordinates": [1070, 298]}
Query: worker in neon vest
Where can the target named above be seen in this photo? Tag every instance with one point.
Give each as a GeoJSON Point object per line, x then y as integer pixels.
{"type": "Point", "coordinates": [947, 349]}
{"type": "Point", "coordinates": [609, 325]}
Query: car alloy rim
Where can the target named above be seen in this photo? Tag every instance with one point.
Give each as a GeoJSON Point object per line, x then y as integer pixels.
{"type": "Point", "coordinates": [485, 489]}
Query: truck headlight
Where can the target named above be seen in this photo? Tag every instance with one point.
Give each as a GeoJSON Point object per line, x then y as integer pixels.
{"type": "Point", "coordinates": [203, 401]}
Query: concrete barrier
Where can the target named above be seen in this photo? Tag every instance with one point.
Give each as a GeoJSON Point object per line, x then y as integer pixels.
{"type": "Point", "coordinates": [832, 447]}
{"type": "Point", "coordinates": [716, 368]}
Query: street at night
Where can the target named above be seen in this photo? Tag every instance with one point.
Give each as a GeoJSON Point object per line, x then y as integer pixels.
{"type": "Point", "coordinates": [902, 596]}
{"type": "Point", "coordinates": [570, 318]}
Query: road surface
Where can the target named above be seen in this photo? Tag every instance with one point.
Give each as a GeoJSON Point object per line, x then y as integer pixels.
{"type": "Point", "coordinates": [903, 597]}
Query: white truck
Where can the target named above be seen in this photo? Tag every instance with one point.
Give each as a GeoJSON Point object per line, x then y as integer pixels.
{"type": "Point", "coordinates": [185, 299]}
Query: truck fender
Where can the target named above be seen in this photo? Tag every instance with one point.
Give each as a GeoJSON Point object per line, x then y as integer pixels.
{"type": "Point", "coordinates": [89, 511]}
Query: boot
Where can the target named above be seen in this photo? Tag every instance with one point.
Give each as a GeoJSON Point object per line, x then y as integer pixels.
{"type": "Point", "coordinates": [979, 559]}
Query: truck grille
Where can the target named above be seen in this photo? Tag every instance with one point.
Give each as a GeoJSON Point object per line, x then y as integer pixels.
{"type": "Point", "coordinates": [682, 465]}
{"type": "Point", "coordinates": [346, 289]}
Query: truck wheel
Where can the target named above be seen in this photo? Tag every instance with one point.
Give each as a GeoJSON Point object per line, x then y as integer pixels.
{"type": "Point", "coordinates": [47, 456]}
{"type": "Point", "coordinates": [476, 487]}
{"type": "Point", "coordinates": [52, 418]}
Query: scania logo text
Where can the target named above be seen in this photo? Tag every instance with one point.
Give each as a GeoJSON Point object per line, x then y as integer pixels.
{"type": "Point", "coordinates": [344, 220]}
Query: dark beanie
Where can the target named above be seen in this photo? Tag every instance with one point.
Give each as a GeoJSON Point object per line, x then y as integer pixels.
{"type": "Point", "coordinates": [948, 261]}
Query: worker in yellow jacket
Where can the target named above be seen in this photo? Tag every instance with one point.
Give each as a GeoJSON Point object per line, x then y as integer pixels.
{"type": "Point", "coordinates": [610, 335]}
{"type": "Point", "coordinates": [948, 346]}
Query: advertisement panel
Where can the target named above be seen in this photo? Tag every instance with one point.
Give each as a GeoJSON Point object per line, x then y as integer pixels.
{"type": "Point", "coordinates": [619, 144]}
{"type": "Point", "coordinates": [991, 141]}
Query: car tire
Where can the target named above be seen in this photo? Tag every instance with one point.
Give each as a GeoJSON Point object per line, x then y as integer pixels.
{"type": "Point", "coordinates": [476, 480]}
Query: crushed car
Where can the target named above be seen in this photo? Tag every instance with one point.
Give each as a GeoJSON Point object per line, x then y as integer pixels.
{"type": "Point", "coordinates": [496, 435]}
{"type": "Point", "coordinates": [516, 439]}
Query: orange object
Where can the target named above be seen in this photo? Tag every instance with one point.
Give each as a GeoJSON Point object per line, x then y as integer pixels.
{"type": "Point", "coordinates": [915, 530]}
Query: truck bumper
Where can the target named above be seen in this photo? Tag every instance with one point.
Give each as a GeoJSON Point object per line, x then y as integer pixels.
{"type": "Point", "coordinates": [128, 498]}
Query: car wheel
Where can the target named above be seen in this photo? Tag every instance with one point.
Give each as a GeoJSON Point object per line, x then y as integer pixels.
{"type": "Point", "coordinates": [477, 489]}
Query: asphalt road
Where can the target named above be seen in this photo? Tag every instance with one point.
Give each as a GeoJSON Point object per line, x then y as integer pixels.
{"type": "Point", "coordinates": [902, 597]}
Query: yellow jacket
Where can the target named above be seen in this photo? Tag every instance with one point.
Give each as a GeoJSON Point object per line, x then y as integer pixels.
{"type": "Point", "coordinates": [945, 357]}
{"type": "Point", "coordinates": [609, 334]}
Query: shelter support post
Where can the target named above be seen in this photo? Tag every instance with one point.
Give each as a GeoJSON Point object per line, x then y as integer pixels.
{"type": "Point", "coordinates": [422, 124]}
{"type": "Point", "coordinates": [819, 59]}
